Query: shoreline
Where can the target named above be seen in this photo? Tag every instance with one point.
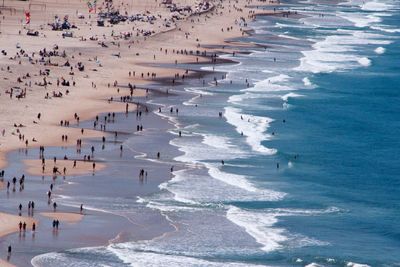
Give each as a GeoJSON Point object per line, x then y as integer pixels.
{"type": "Point", "coordinates": [92, 113]}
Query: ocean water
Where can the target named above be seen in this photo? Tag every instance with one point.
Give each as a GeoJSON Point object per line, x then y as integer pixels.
{"type": "Point", "coordinates": [310, 149]}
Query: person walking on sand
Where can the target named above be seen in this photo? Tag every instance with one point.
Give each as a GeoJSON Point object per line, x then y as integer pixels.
{"type": "Point", "coordinates": [33, 227]}
{"type": "Point", "coordinates": [54, 206]}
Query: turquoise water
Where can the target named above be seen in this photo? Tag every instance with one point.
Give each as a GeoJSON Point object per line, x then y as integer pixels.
{"type": "Point", "coordinates": [326, 110]}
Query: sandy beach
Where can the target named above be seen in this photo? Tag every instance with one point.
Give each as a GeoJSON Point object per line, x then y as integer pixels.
{"type": "Point", "coordinates": [6, 264]}
{"type": "Point", "coordinates": [9, 223]}
{"type": "Point", "coordinates": [63, 216]}
{"type": "Point", "coordinates": [67, 99]}
{"type": "Point", "coordinates": [34, 167]}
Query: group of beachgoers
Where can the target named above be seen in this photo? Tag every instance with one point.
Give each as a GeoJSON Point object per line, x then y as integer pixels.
{"type": "Point", "coordinates": [22, 226]}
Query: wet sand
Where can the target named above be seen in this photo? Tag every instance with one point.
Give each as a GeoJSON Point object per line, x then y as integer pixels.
{"type": "Point", "coordinates": [34, 167]}
{"type": "Point", "coordinates": [63, 216]}
{"type": "Point", "coordinates": [9, 223]}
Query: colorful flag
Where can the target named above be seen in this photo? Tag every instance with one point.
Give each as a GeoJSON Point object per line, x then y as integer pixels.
{"type": "Point", "coordinates": [27, 17]}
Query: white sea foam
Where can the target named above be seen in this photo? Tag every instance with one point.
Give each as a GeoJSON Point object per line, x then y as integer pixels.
{"type": "Point", "coordinates": [127, 254]}
{"type": "Point", "coordinates": [385, 29]}
{"type": "Point", "coordinates": [307, 82]}
{"type": "Point", "coordinates": [217, 141]}
{"type": "Point", "coordinates": [376, 6]}
{"type": "Point", "coordinates": [164, 207]}
{"type": "Point", "coordinates": [253, 127]}
{"type": "Point", "coordinates": [364, 61]}
{"type": "Point", "coordinates": [337, 52]}
{"type": "Point", "coordinates": [217, 148]}
{"type": "Point", "coordinates": [139, 258]}
{"type": "Point", "coordinates": [238, 99]}
{"type": "Point", "coordinates": [59, 259]}
{"type": "Point", "coordinates": [260, 225]}
{"type": "Point", "coordinates": [231, 179]}
{"type": "Point", "coordinates": [360, 20]}
{"type": "Point", "coordinates": [290, 95]}
{"type": "Point", "coordinates": [198, 90]}
{"type": "Point", "coordinates": [217, 186]}
{"type": "Point", "coordinates": [283, 25]}
{"type": "Point", "coordinates": [271, 84]}
{"type": "Point", "coordinates": [380, 50]}
{"type": "Point", "coordinates": [212, 147]}
{"type": "Point", "coordinates": [300, 212]}
{"type": "Point", "coordinates": [267, 71]}
{"type": "Point", "coordinates": [313, 264]}
{"type": "Point", "coordinates": [374, 11]}
{"type": "Point", "coordinates": [354, 264]}
{"type": "Point", "coordinates": [289, 37]}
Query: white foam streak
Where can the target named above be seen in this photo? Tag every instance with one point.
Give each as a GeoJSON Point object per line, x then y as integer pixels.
{"type": "Point", "coordinates": [290, 95]}
{"type": "Point", "coordinates": [231, 179]}
{"type": "Point", "coordinates": [259, 226]}
{"type": "Point", "coordinates": [144, 259]}
{"type": "Point", "coordinates": [314, 265]}
{"type": "Point", "coordinates": [359, 19]}
{"type": "Point", "coordinates": [253, 127]}
{"type": "Point", "coordinates": [271, 84]}
{"type": "Point", "coordinates": [217, 141]}
{"type": "Point", "coordinates": [376, 6]}
{"type": "Point", "coordinates": [289, 37]}
{"type": "Point", "coordinates": [335, 52]}
{"type": "Point", "coordinates": [354, 264]}
{"type": "Point", "coordinates": [385, 29]}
